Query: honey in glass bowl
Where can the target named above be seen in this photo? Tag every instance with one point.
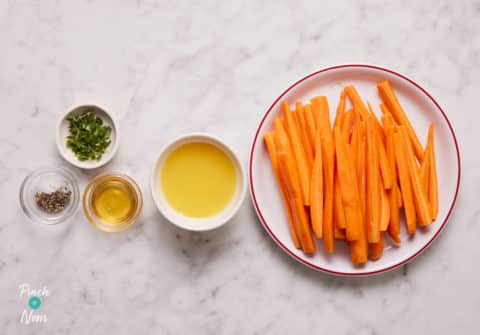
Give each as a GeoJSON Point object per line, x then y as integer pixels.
{"type": "Point", "coordinates": [112, 202]}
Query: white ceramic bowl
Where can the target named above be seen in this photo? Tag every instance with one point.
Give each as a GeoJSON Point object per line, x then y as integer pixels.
{"type": "Point", "coordinates": [63, 132]}
{"type": "Point", "coordinates": [189, 223]}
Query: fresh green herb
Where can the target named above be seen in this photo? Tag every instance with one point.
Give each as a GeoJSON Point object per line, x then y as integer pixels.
{"type": "Point", "coordinates": [88, 137]}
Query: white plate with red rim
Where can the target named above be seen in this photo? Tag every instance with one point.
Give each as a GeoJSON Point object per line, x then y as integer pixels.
{"type": "Point", "coordinates": [420, 107]}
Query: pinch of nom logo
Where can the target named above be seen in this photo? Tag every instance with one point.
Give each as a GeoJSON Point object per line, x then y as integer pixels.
{"type": "Point", "coordinates": [34, 299]}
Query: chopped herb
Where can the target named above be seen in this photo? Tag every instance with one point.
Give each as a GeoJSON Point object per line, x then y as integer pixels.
{"type": "Point", "coordinates": [88, 137]}
{"type": "Point", "coordinates": [53, 202]}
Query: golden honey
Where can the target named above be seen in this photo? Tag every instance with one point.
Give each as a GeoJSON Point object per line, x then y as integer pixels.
{"type": "Point", "coordinates": [113, 200]}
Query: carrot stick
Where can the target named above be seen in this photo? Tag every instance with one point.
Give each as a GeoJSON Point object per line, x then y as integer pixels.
{"type": "Point", "coordinates": [321, 113]}
{"type": "Point", "coordinates": [388, 121]}
{"type": "Point", "coordinates": [303, 132]}
{"type": "Point", "coordinates": [327, 151]}
{"type": "Point", "coordinates": [356, 100]}
{"type": "Point", "coordinates": [359, 248]}
{"type": "Point", "coordinates": [311, 127]}
{"type": "Point", "coordinates": [316, 192]}
{"type": "Point", "coordinates": [378, 127]}
{"type": "Point", "coordinates": [425, 173]}
{"type": "Point", "coordinates": [339, 211]}
{"type": "Point", "coordinates": [376, 249]}
{"type": "Point", "coordinates": [383, 160]}
{"type": "Point", "coordinates": [282, 143]}
{"type": "Point", "coordinates": [347, 124]}
{"type": "Point", "coordinates": [373, 196]}
{"type": "Point", "coordinates": [288, 170]}
{"type": "Point", "coordinates": [349, 188]}
{"type": "Point", "coordinates": [433, 186]}
{"type": "Point", "coordinates": [361, 167]}
{"type": "Point", "coordinates": [391, 100]}
{"type": "Point", "coordinates": [298, 152]}
{"type": "Point", "coordinates": [419, 196]}
{"type": "Point", "coordinates": [405, 184]}
{"type": "Point", "coordinates": [393, 195]}
{"type": "Point", "coordinates": [269, 141]}
{"type": "Point", "coordinates": [384, 209]}
{"type": "Point", "coordinates": [328, 155]}
{"type": "Point", "coordinates": [384, 109]}
{"type": "Point", "coordinates": [340, 109]}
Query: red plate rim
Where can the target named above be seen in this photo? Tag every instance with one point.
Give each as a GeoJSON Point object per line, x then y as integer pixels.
{"type": "Point", "coordinates": [283, 246]}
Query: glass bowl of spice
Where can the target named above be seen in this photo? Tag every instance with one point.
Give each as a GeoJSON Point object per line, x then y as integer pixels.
{"type": "Point", "coordinates": [112, 202]}
{"type": "Point", "coordinates": [49, 195]}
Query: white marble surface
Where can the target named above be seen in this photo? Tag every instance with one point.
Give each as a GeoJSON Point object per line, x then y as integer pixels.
{"type": "Point", "coordinates": [168, 67]}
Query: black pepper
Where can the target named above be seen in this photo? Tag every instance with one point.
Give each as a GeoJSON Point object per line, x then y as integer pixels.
{"type": "Point", "coordinates": [53, 202]}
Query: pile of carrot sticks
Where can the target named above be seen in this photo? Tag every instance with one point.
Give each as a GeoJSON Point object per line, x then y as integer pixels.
{"type": "Point", "coordinates": [351, 180]}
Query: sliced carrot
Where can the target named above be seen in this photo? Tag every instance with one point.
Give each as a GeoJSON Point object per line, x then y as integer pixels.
{"type": "Point", "coordinates": [382, 155]}
{"type": "Point", "coordinates": [384, 209]}
{"type": "Point", "coordinates": [373, 188]}
{"type": "Point", "coordinates": [339, 211]}
{"type": "Point", "coordinates": [347, 124]}
{"type": "Point", "coordinates": [316, 193]}
{"type": "Point", "coordinates": [384, 108]}
{"type": "Point", "coordinates": [376, 249]}
{"type": "Point", "coordinates": [298, 152]}
{"type": "Point", "coordinates": [388, 121]}
{"type": "Point", "coordinates": [321, 113]}
{"type": "Point", "coordinates": [361, 168]}
{"type": "Point", "coordinates": [356, 100]}
{"type": "Point", "coordinates": [433, 186]}
{"type": "Point", "coordinates": [355, 150]}
{"type": "Point", "coordinates": [399, 197]}
{"type": "Point", "coordinates": [282, 144]}
{"type": "Point", "coordinates": [288, 171]}
{"type": "Point", "coordinates": [328, 151]}
{"type": "Point", "coordinates": [311, 127]}
{"type": "Point", "coordinates": [340, 109]}
{"type": "Point", "coordinates": [349, 188]}
{"type": "Point", "coordinates": [280, 136]}
{"type": "Point", "coordinates": [359, 248]}
{"type": "Point", "coordinates": [269, 141]}
{"type": "Point", "coordinates": [394, 195]}
{"type": "Point", "coordinates": [391, 100]}
{"type": "Point", "coordinates": [424, 173]}
{"type": "Point", "coordinates": [378, 127]}
{"type": "Point", "coordinates": [419, 195]}
{"type": "Point", "coordinates": [303, 132]}
{"type": "Point", "coordinates": [405, 184]}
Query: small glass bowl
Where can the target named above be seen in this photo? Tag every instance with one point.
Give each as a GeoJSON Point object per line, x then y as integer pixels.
{"type": "Point", "coordinates": [90, 213]}
{"type": "Point", "coordinates": [48, 180]}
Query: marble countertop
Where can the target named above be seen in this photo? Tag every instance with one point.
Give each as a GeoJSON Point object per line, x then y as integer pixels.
{"type": "Point", "coordinates": [170, 67]}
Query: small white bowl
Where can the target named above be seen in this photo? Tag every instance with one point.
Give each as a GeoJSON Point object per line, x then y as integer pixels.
{"type": "Point", "coordinates": [189, 223]}
{"type": "Point", "coordinates": [63, 132]}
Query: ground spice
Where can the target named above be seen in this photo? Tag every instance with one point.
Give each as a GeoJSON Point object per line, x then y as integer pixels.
{"type": "Point", "coordinates": [53, 202]}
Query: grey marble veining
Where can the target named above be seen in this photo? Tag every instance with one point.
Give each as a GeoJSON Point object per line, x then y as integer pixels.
{"type": "Point", "coordinates": [169, 67]}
